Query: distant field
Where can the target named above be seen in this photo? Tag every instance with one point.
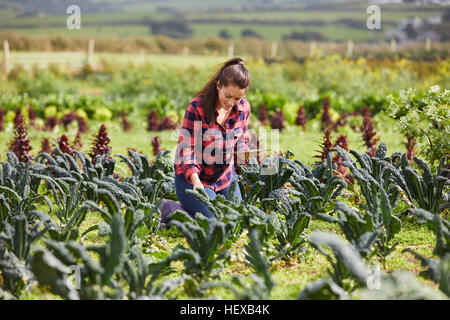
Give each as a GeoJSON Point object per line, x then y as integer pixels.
{"type": "Point", "coordinates": [308, 15]}
{"type": "Point", "coordinates": [338, 20]}
{"type": "Point", "coordinates": [277, 32]}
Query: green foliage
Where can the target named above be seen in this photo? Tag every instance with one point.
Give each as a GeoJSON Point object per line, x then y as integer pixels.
{"type": "Point", "coordinates": [16, 240]}
{"type": "Point", "coordinates": [259, 180]}
{"type": "Point", "coordinates": [208, 245]}
{"type": "Point", "coordinates": [155, 180]}
{"type": "Point", "coordinates": [15, 274]}
{"type": "Point", "coordinates": [425, 117]}
{"type": "Point", "coordinates": [261, 281]}
{"type": "Point", "coordinates": [363, 230]}
{"type": "Point", "coordinates": [440, 227]}
{"type": "Point", "coordinates": [437, 270]}
{"type": "Point", "coordinates": [138, 273]}
{"type": "Point", "coordinates": [323, 289]}
{"type": "Point", "coordinates": [425, 189]}
{"type": "Point", "coordinates": [292, 224]}
{"type": "Point", "coordinates": [96, 278]}
{"type": "Point", "coordinates": [317, 189]}
{"type": "Point", "coordinates": [139, 221]}
{"type": "Point", "coordinates": [402, 285]}
{"type": "Point", "coordinates": [70, 210]}
{"type": "Point", "coordinates": [240, 216]}
{"type": "Point", "coordinates": [347, 264]}
{"type": "Point", "coordinates": [355, 229]}
{"type": "Point", "coordinates": [18, 187]}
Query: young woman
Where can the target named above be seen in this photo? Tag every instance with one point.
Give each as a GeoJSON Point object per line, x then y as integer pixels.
{"type": "Point", "coordinates": [213, 135]}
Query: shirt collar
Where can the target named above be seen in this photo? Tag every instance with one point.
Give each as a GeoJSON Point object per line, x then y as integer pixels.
{"type": "Point", "coordinates": [237, 107]}
{"type": "Point", "coordinates": [240, 105]}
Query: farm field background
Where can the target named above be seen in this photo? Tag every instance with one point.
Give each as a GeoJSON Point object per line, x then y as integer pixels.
{"type": "Point", "coordinates": [334, 20]}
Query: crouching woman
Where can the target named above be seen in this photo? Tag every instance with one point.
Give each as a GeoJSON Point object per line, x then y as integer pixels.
{"type": "Point", "coordinates": [214, 137]}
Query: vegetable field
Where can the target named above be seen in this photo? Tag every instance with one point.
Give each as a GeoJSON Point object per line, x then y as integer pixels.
{"type": "Point", "coordinates": [354, 204]}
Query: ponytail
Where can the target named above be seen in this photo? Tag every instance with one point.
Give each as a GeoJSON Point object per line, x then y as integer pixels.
{"type": "Point", "coordinates": [232, 72]}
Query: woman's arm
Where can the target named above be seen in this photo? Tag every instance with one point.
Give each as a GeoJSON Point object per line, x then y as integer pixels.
{"type": "Point", "coordinates": [196, 181]}
{"type": "Point", "coordinates": [186, 145]}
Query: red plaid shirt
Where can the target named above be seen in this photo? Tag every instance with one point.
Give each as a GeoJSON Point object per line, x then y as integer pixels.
{"type": "Point", "coordinates": [209, 150]}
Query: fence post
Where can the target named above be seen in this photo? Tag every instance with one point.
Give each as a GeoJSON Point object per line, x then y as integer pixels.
{"type": "Point", "coordinates": [273, 52]}
{"type": "Point", "coordinates": [312, 48]}
{"type": "Point", "coordinates": [142, 55]}
{"type": "Point", "coordinates": [185, 54]}
{"type": "Point", "coordinates": [230, 51]}
{"type": "Point", "coordinates": [428, 45]}
{"type": "Point", "coordinates": [90, 59]}
{"type": "Point", "coordinates": [6, 58]}
{"type": "Point", "coordinates": [350, 46]}
{"type": "Point", "coordinates": [393, 45]}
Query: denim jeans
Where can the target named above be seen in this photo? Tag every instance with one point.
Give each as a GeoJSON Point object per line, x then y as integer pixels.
{"type": "Point", "coordinates": [193, 205]}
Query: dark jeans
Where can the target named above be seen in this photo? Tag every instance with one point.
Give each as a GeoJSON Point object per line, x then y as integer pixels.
{"type": "Point", "coordinates": [193, 205]}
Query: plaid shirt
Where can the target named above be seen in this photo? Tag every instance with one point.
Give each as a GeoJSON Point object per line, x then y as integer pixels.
{"type": "Point", "coordinates": [209, 149]}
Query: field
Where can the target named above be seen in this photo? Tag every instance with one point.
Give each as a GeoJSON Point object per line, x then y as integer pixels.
{"type": "Point", "coordinates": [63, 212]}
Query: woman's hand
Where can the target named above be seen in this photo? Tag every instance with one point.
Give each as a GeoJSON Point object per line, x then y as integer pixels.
{"type": "Point", "coordinates": [196, 182]}
{"type": "Point", "coordinates": [198, 186]}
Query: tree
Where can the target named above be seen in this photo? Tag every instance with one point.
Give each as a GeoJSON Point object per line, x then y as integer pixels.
{"type": "Point", "coordinates": [224, 34]}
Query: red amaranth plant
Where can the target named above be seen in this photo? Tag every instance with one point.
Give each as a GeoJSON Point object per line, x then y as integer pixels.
{"type": "Point", "coordinates": [77, 143]}
{"type": "Point", "coordinates": [19, 119]}
{"type": "Point", "coordinates": [45, 146]}
{"type": "Point", "coordinates": [326, 147]}
{"type": "Point", "coordinates": [68, 118]}
{"type": "Point", "coordinates": [301, 118]}
{"type": "Point", "coordinates": [82, 125]}
{"type": "Point", "coordinates": [152, 121]}
{"type": "Point", "coordinates": [369, 133]}
{"type": "Point", "coordinates": [100, 145]}
{"type": "Point", "coordinates": [342, 142]}
{"type": "Point", "coordinates": [262, 114]}
{"type": "Point", "coordinates": [64, 145]}
{"type": "Point", "coordinates": [50, 123]}
{"type": "Point", "coordinates": [365, 111]}
{"type": "Point", "coordinates": [126, 125]}
{"type": "Point", "coordinates": [21, 144]}
{"type": "Point", "coordinates": [32, 115]}
{"type": "Point", "coordinates": [2, 120]}
{"type": "Point", "coordinates": [410, 147]}
{"type": "Point", "coordinates": [167, 124]}
{"type": "Point", "coordinates": [156, 145]}
{"type": "Point", "coordinates": [325, 120]}
{"type": "Point", "coordinates": [277, 120]}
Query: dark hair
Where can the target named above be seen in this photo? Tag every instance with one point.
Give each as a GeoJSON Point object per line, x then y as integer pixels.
{"type": "Point", "coordinates": [232, 72]}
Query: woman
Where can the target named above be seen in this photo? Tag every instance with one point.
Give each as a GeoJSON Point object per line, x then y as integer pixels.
{"type": "Point", "coordinates": [215, 128]}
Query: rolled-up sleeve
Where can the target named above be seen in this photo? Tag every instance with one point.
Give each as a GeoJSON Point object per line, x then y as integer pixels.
{"type": "Point", "coordinates": [186, 154]}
